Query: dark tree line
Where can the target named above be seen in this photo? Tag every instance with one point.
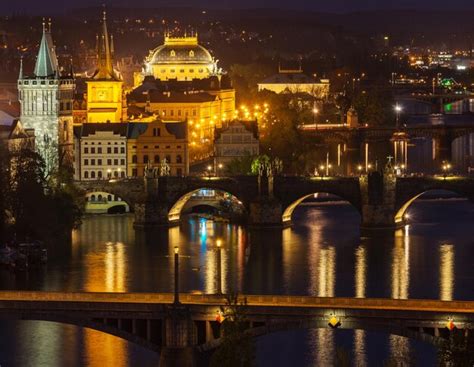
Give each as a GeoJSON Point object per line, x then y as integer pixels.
{"type": "Point", "coordinates": [34, 204]}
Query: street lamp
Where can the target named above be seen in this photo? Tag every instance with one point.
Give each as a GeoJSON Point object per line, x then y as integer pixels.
{"type": "Point", "coordinates": [209, 170]}
{"type": "Point", "coordinates": [218, 268]}
{"type": "Point", "coordinates": [446, 167]}
{"type": "Point", "coordinates": [398, 109]}
{"type": "Point", "coordinates": [360, 168]}
{"type": "Point", "coordinates": [219, 168]}
{"type": "Point", "coordinates": [176, 275]}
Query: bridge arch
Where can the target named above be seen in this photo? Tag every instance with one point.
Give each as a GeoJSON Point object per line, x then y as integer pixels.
{"type": "Point", "coordinates": [102, 202]}
{"type": "Point", "coordinates": [401, 212]}
{"type": "Point", "coordinates": [289, 209]}
{"type": "Point", "coordinates": [174, 213]}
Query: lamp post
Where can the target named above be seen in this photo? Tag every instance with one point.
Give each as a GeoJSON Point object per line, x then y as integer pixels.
{"type": "Point", "coordinates": [218, 268]}
{"type": "Point", "coordinates": [315, 113]}
{"type": "Point", "coordinates": [219, 169]}
{"type": "Point", "coordinates": [359, 169]}
{"type": "Point", "coordinates": [209, 170]}
{"type": "Point", "coordinates": [176, 275]}
{"type": "Point", "coordinates": [398, 109]}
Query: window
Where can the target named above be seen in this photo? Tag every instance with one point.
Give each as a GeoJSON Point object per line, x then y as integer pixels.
{"type": "Point", "coordinates": [181, 71]}
{"type": "Point", "coordinates": [168, 147]}
{"type": "Point", "coordinates": [109, 162]}
{"type": "Point", "coordinates": [99, 174]}
{"type": "Point", "coordinates": [86, 162]}
{"type": "Point", "coordinates": [179, 112]}
{"type": "Point", "coordinates": [122, 174]}
{"type": "Point", "coordinates": [86, 174]}
{"type": "Point", "coordinates": [173, 53]}
{"type": "Point", "coordinates": [172, 113]}
{"type": "Point", "coordinates": [191, 70]}
{"type": "Point", "coordinates": [191, 54]}
{"type": "Point", "coordinates": [134, 172]}
{"type": "Point", "coordinates": [92, 174]}
{"type": "Point", "coordinates": [134, 158]}
{"type": "Point", "coordinates": [115, 162]}
{"type": "Point", "coordinates": [145, 147]}
{"type": "Point", "coordinates": [179, 159]}
{"type": "Point", "coordinates": [122, 150]}
{"type": "Point", "coordinates": [109, 197]}
{"type": "Point", "coordinates": [122, 162]}
{"type": "Point", "coordinates": [156, 131]}
{"type": "Point", "coordinates": [109, 150]}
{"type": "Point", "coordinates": [86, 150]}
{"type": "Point", "coordinates": [194, 112]}
{"type": "Point", "coordinates": [99, 162]}
{"type": "Point", "coordinates": [92, 150]}
{"type": "Point", "coordinates": [168, 158]}
{"type": "Point", "coordinates": [172, 70]}
{"type": "Point", "coordinates": [157, 159]}
{"type": "Point", "coordinates": [99, 150]}
{"type": "Point", "coordinates": [145, 159]}
{"type": "Point", "coordinates": [92, 198]}
{"type": "Point", "coordinates": [116, 150]}
{"type": "Point", "coordinates": [157, 147]}
{"type": "Point", "coordinates": [116, 174]}
{"type": "Point", "coordinates": [92, 162]}
{"type": "Point", "coordinates": [179, 147]}
{"type": "Point", "coordinates": [179, 172]}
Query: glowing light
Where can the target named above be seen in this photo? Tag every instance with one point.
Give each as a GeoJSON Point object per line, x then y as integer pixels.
{"type": "Point", "coordinates": [176, 250]}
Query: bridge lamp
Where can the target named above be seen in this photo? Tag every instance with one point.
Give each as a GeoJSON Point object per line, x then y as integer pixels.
{"type": "Point", "coordinates": [450, 324]}
{"type": "Point", "coordinates": [334, 322]}
{"type": "Point", "coordinates": [359, 168]}
{"type": "Point", "coordinates": [321, 167]}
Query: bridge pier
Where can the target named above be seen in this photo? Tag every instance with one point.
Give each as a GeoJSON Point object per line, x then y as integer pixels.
{"type": "Point", "coordinates": [178, 348]}
{"type": "Point", "coordinates": [266, 212]}
{"type": "Point", "coordinates": [378, 194]}
{"type": "Point", "coordinates": [151, 213]}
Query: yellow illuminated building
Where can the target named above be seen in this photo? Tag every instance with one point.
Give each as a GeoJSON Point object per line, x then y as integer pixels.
{"type": "Point", "coordinates": [180, 58]}
{"type": "Point", "coordinates": [105, 102]}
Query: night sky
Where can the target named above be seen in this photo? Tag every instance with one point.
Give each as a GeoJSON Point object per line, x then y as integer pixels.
{"type": "Point", "coordinates": [60, 6]}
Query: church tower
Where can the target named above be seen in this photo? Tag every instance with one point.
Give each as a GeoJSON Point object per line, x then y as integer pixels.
{"type": "Point", "coordinates": [46, 99]}
{"type": "Point", "coordinates": [105, 102]}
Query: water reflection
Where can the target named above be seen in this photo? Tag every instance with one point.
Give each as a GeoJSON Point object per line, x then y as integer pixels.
{"type": "Point", "coordinates": [446, 272]}
{"type": "Point", "coordinates": [401, 264]}
{"type": "Point", "coordinates": [360, 271]}
{"type": "Point", "coordinates": [359, 349]}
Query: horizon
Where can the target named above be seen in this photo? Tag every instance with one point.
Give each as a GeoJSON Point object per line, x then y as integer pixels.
{"type": "Point", "coordinates": [31, 7]}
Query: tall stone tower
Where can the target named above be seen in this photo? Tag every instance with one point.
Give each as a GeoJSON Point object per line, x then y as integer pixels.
{"type": "Point", "coordinates": [105, 100]}
{"type": "Point", "coordinates": [46, 99]}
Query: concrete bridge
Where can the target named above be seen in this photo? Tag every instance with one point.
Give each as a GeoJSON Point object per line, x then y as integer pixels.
{"type": "Point", "coordinates": [178, 331]}
{"type": "Point", "coordinates": [381, 198]}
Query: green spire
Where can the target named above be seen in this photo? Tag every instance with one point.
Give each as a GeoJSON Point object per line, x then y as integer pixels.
{"type": "Point", "coordinates": [46, 62]}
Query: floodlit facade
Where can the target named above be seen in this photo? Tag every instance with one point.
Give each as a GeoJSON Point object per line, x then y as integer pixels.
{"type": "Point", "coordinates": [46, 99]}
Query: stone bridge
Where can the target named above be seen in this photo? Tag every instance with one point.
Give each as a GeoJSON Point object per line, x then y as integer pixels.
{"type": "Point", "coordinates": [380, 198]}
{"type": "Point", "coordinates": [181, 330]}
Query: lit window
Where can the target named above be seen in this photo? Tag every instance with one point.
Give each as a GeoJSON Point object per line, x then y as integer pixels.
{"type": "Point", "coordinates": [191, 53]}
{"type": "Point", "coordinates": [173, 53]}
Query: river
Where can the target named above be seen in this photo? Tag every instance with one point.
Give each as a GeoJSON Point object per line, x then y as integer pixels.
{"type": "Point", "coordinates": [323, 254]}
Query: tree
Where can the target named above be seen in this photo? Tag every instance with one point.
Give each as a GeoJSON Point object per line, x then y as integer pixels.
{"type": "Point", "coordinates": [237, 348]}
{"type": "Point", "coordinates": [458, 350]}
{"type": "Point", "coordinates": [240, 166]}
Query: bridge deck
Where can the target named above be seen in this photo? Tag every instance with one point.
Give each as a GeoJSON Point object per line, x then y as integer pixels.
{"type": "Point", "coordinates": [73, 298]}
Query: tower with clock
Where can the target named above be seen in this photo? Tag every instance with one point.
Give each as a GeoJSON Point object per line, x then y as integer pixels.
{"type": "Point", "coordinates": [105, 102]}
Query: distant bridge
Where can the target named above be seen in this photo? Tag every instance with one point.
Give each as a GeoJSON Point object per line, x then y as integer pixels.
{"type": "Point", "coordinates": [381, 199]}
{"type": "Point", "coordinates": [151, 319]}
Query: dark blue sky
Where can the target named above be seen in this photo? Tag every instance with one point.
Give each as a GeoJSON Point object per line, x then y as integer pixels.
{"type": "Point", "coordinates": [46, 6]}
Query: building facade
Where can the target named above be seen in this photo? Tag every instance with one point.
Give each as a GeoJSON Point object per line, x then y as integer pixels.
{"type": "Point", "coordinates": [46, 99]}
{"type": "Point", "coordinates": [100, 151]}
{"type": "Point", "coordinates": [152, 143]}
{"type": "Point", "coordinates": [295, 81]}
{"type": "Point", "coordinates": [105, 96]}
{"type": "Point", "coordinates": [180, 58]}
{"type": "Point", "coordinates": [235, 139]}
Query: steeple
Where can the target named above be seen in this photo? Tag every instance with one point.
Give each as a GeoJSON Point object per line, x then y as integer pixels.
{"type": "Point", "coordinates": [20, 75]}
{"type": "Point", "coordinates": [46, 62]}
{"type": "Point", "coordinates": [105, 70]}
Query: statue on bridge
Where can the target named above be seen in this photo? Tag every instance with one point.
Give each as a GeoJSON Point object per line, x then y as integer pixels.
{"type": "Point", "coordinates": [165, 168]}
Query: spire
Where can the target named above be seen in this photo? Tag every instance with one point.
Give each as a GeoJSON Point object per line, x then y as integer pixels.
{"type": "Point", "coordinates": [46, 62]}
{"type": "Point", "coordinates": [105, 49]}
{"type": "Point", "coordinates": [20, 76]}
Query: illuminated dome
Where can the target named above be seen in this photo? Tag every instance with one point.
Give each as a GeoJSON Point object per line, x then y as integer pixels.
{"type": "Point", "coordinates": [180, 58]}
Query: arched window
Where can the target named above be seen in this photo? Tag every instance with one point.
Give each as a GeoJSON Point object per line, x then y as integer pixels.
{"type": "Point", "coordinates": [116, 174]}
{"type": "Point", "coordinates": [191, 53]}
{"type": "Point", "coordinates": [122, 174]}
{"type": "Point", "coordinates": [168, 159]}
{"type": "Point", "coordinates": [92, 174]}
{"type": "Point", "coordinates": [92, 197]}
{"type": "Point", "coordinates": [109, 197]}
{"type": "Point", "coordinates": [99, 174]}
{"type": "Point", "coordinates": [86, 174]}
{"type": "Point", "coordinates": [179, 159]}
{"type": "Point", "coordinates": [173, 53]}
{"type": "Point", "coordinates": [145, 159]}
{"type": "Point", "coordinates": [134, 158]}
{"type": "Point", "coordinates": [99, 197]}
{"type": "Point", "coordinates": [157, 159]}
